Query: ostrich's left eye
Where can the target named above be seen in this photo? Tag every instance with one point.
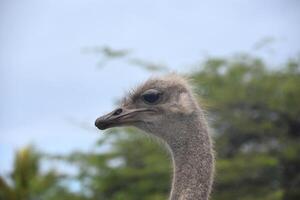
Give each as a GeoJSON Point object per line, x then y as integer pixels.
{"type": "Point", "coordinates": [151, 96]}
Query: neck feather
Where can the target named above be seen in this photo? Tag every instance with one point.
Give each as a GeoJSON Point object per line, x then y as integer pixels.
{"type": "Point", "coordinates": [193, 161]}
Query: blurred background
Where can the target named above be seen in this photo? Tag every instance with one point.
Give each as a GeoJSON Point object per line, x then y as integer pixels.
{"type": "Point", "coordinates": [64, 63]}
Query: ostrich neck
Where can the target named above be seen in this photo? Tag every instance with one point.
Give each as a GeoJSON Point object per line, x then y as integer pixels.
{"type": "Point", "coordinates": [192, 160]}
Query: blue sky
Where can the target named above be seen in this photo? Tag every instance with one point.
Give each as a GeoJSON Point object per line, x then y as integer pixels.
{"type": "Point", "coordinates": [48, 84]}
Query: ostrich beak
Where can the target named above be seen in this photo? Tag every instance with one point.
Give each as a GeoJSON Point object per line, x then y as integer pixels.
{"type": "Point", "coordinates": [119, 117]}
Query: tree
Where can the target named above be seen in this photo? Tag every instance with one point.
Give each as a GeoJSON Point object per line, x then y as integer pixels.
{"type": "Point", "coordinates": [133, 168]}
{"type": "Point", "coordinates": [255, 112]}
{"type": "Point", "coordinates": [27, 182]}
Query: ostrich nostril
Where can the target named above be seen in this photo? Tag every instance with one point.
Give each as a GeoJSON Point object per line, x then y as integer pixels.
{"type": "Point", "coordinates": [118, 111]}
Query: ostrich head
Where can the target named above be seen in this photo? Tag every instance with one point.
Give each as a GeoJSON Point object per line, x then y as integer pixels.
{"type": "Point", "coordinates": [166, 108]}
{"type": "Point", "coordinates": [159, 104]}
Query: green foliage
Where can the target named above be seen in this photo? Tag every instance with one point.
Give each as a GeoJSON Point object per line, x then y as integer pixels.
{"type": "Point", "coordinates": [134, 167]}
{"type": "Point", "coordinates": [254, 112]}
{"type": "Point", "coordinates": [108, 54]}
{"type": "Point", "coordinates": [27, 182]}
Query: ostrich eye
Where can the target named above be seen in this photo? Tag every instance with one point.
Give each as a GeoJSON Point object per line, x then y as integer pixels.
{"type": "Point", "coordinates": [151, 96]}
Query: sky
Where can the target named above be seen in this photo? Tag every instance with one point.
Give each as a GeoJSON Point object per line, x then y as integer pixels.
{"type": "Point", "coordinates": [51, 92]}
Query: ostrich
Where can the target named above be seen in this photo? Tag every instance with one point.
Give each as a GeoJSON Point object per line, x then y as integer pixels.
{"type": "Point", "coordinates": [166, 108]}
